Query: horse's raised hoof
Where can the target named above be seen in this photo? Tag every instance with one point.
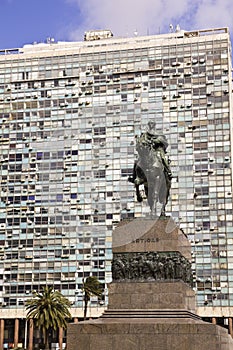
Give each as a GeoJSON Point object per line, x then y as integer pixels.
{"type": "Point", "coordinates": [131, 179]}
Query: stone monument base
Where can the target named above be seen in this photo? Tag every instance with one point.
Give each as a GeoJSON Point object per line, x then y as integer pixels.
{"type": "Point", "coordinates": [143, 330]}
{"type": "Point", "coordinates": [151, 300]}
{"type": "Point", "coordinates": [151, 295]}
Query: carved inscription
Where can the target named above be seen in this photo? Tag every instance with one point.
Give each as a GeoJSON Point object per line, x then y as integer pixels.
{"type": "Point", "coordinates": [146, 240]}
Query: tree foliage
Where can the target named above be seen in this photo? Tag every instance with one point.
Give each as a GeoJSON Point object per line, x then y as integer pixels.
{"type": "Point", "coordinates": [91, 287]}
{"type": "Point", "coordinates": [49, 309]}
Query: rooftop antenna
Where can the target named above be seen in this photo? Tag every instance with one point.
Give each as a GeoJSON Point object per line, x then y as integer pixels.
{"type": "Point", "coordinates": [50, 40]}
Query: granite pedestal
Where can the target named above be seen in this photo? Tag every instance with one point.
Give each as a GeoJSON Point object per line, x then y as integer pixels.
{"type": "Point", "coordinates": [151, 300]}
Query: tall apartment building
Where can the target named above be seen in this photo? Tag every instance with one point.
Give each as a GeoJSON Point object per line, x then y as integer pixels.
{"type": "Point", "coordinates": [70, 112]}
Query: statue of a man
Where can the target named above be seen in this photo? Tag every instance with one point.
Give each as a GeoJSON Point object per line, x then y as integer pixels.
{"type": "Point", "coordinates": [153, 141]}
{"type": "Point", "coordinates": [152, 168]}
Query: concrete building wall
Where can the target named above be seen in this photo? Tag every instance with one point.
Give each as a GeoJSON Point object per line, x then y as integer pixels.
{"type": "Point", "coordinates": [70, 113]}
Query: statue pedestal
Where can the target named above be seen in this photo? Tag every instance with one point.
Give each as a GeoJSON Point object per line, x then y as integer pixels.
{"type": "Point", "coordinates": [151, 296]}
{"type": "Point", "coordinates": [151, 301]}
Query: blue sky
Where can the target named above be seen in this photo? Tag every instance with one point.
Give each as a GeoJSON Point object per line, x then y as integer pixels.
{"type": "Point", "coordinates": [25, 21]}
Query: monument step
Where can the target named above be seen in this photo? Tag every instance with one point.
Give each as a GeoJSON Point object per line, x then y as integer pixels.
{"type": "Point", "coordinates": [141, 313]}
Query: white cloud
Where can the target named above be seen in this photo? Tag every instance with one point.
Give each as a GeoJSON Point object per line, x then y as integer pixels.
{"type": "Point", "coordinates": [214, 13]}
{"type": "Point", "coordinates": [123, 17]}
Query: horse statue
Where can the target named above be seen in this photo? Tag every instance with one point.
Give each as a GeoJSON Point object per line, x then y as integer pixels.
{"type": "Point", "coordinates": [152, 169]}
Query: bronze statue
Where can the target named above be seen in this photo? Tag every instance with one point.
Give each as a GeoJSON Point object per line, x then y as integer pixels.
{"type": "Point", "coordinates": [152, 169]}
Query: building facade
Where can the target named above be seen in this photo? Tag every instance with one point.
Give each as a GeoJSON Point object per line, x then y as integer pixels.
{"type": "Point", "coordinates": [70, 113]}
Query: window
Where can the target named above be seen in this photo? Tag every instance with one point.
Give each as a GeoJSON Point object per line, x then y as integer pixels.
{"type": "Point", "coordinates": [99, 174]}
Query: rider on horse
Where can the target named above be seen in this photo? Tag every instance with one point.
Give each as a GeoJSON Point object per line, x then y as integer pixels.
{"type": "Point", "coordinates": [151, 148]}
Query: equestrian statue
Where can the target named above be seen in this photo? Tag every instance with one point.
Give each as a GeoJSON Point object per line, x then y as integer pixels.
{"type": "Point", "coordinates": [152, 169]}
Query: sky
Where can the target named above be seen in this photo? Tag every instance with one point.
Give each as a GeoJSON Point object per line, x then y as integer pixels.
{"type": "Point", "coordinates": [27, 21]}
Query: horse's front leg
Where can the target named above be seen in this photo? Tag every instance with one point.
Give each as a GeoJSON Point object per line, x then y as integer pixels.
{"type": "Point", "coordinates": [153, 193]}
{"type": "Point", "coordinates": [163, 210]}
{"type": "Point", "coordinates": [138, 194]}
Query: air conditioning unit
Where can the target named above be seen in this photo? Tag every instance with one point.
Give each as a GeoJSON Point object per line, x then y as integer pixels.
{"type": "Point", "coordinates": [63, 104]}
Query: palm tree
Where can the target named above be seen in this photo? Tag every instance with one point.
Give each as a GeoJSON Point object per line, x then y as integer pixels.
{"type": "Point", "coordinates": [91, 287]}
{"type": "Point", "coordinates": [49, 309]}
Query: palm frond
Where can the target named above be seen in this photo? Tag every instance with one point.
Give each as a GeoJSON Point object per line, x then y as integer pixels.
{"type": "Point", "coordinates": [49, 309]}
